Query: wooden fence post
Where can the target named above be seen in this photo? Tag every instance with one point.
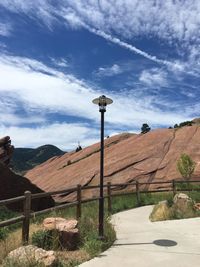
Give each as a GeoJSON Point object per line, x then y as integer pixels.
{"type": "Point", "coordinates": [26, 221]}
{"type": "Point", "coordinates": [174, 187]}
{"type": "Point", "coordinates": [109, 198]}
{"type": "Point", "coordinates": [79, 198]}
{"type": "Point", "coordinates": [138, 193]}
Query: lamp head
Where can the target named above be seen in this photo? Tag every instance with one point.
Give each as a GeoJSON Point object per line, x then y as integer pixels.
{"type": "Point", "coordinates": [102, 102]}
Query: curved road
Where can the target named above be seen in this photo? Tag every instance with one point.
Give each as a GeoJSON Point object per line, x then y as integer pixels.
{"type": "Point", "coordinates": [141, 243]}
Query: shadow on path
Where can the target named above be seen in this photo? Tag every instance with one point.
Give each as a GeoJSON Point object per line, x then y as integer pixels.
{"type": "Point", "coordinates": [159, 242]}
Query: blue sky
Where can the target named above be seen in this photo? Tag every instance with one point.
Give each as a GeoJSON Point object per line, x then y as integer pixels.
{"type": "Point", "coordinates": [56, 56]}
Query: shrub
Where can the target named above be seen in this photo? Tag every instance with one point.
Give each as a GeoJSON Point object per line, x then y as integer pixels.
{"type": "Point", "coordinates": [46, 239]}
{"type": "Point", "coordinates": [186, 166]}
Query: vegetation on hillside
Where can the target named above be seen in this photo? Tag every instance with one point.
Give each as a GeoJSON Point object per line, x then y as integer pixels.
{"type": "Point", "coordinates": [25, 159]}
{"type": "Point", "coordinates": [184, 123]}
{"type": "Point", "coordinates": [145, 128]}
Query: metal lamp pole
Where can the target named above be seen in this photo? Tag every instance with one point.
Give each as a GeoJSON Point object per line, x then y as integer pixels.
{"type": "Point", "coordinates": [102, 102]}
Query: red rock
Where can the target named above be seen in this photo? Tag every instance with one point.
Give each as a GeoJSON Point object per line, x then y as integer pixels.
{"type": "Point", "coordinates": [60, 224]}
{"type": "Point", "coordinates": [12, 185]}
{"type": "Point", "coordinates": [69, 235]}
{"type": "Point", "coordinates": [128, 157]}
{"type": "Point", "coordinates": [70, 239]}
{"type": "Point", "coordinates": [197, 206]}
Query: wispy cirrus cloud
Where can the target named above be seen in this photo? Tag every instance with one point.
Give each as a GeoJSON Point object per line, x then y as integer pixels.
{"type": "Point", "coordinates": [41, 88]}
{"type": "Point", "coordinates": [176, 22]}
{"type": "Point", "coordinates": [170, 20]}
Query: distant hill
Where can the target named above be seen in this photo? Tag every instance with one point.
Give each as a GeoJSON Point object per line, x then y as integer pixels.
{"type": "Point", "coordinates": [24, 159]}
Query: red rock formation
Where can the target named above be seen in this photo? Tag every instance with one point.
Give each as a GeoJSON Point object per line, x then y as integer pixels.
{"type": "Point", "coordinates": [128, 157]}
{"type": "Point", "coordinates": [12, 185]}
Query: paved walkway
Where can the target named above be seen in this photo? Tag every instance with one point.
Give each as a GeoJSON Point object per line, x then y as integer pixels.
{"type": "Point", "coordinates": [141, 243]}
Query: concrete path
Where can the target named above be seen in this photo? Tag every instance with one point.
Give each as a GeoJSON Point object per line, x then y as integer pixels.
{"type": "Point", "coordinates": [141, 243]}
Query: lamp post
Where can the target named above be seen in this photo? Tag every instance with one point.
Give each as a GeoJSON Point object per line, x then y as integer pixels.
{"type": "Point", "coordinates": [102, 102]}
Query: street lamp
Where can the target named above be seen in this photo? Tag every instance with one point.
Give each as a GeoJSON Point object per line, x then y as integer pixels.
{"type": "Point", "coordinates": [102, 102]}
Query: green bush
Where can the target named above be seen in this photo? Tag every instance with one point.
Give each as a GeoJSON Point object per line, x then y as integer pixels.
{"type": "Point", "coordinates": [48, 240]}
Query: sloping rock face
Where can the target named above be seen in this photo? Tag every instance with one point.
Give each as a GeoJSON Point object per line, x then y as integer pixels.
{"type": "Point", "coordinates": [128, 157]}
{"type": "Point", "coordinates": [12, 185]}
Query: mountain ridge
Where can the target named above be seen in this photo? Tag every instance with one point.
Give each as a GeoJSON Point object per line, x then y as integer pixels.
{"type": "Point", "coordinates": [24, 159]}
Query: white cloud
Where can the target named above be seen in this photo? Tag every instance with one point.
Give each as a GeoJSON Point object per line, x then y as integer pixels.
{"type": "Point", "coordinates": [132, 48]}
{"type": "Point", "coordinates": [12, 119]}
{"type": "Point", "coordinates": [109, 71]}
{"type": "Point", "coordinates": [168, 19]}
{"type": "Point", "coordinates": [60, 62]}
{"type": "Point", "coordinates": [38, 86]}
{"type": "Point", "coordinates": [154, 77]}
{"type": "Point", "coordinates": [5, 29]}
{"type": "Point", "coordinates": [176, 22]}
{"type": "Point", "coordinates": [65, 135]}
{"type": "Point", "coordinates": [43, 90]}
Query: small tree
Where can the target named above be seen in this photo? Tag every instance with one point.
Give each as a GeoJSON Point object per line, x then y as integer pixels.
{"type": "Point", "coordinates": [186, 166]}
{"type": "Point", "coordinates": [78, 147]}
{"type": "Point", "coordinates": [145, 128]}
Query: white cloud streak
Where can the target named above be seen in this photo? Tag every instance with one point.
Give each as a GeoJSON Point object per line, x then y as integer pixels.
{"type": "Point", "coordinates": [5, 29]}
{"type": "Point", "coordinates": [128, 46]}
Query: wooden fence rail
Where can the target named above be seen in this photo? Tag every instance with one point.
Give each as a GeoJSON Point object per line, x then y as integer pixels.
{"type": "Point", "coordinates": [136, 189]}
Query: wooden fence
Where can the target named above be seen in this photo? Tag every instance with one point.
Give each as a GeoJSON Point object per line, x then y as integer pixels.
{"type": "Point", "coordinates": [137, 189]}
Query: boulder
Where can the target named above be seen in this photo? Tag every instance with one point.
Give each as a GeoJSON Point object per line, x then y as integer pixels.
{"type": "Point", "coordinates": [182, 201]}
{"type": "Point", "coordinates": [197, 206]}
{"type": "Point", "coordinates": [27, 255]}
{"type": "Point", "coordinates": [183, 206]}
{"type": "Point", "coordinates": [70, 239]}
{"type": "Point", "coordinates": [161, 212]}
{"type": "Point", "coordinates": [69, 235]}
{"type": "Point", "coordinates": [60, 224]}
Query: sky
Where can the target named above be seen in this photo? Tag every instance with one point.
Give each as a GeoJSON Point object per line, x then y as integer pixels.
{"type": "Point", "coordinates": [56, 56]}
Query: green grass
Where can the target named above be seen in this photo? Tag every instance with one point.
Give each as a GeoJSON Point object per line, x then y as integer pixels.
{"type": "Point", "coordinates": [120, 203]}
{"type": "Point", "coordinates": [6, 214]}
{"type": "Point", "coordinates": [195, 195]}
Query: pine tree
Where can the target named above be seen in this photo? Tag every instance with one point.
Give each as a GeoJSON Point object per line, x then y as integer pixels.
{"type": "Point", "coordinates": [145, 128]}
